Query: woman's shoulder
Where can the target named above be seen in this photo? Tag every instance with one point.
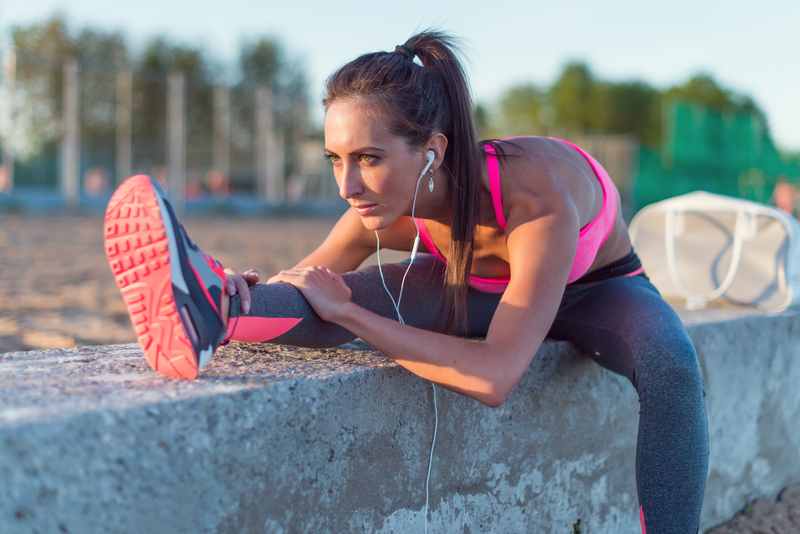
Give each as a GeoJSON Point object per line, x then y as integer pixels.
{"type": "Point", "coordinates": [534, 151]}
{"type": "Point", "coordinates": [544, 168]}
{"type": "Point", "coordinates": [530, 164]}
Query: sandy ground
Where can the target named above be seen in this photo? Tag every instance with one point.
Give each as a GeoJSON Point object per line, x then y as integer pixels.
{"type": "Point", "coordinates": [56, 290]}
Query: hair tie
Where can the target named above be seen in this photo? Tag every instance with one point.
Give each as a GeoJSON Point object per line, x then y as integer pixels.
{"type": "Point", "coordinates": [404, 51]}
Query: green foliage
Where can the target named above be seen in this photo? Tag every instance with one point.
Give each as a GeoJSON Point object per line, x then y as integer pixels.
{"type": "Point", "coordinates": [703, 89]}
{"type": "Point", "coordinates": [159, 58]}
{"type": "Point", "coordinates": [521, 110]}
{"type": "Point", "coordinates": [261, 60]}
{"type": "Point", "coordinates": [577, 103]}
{"type": "Point", "coordinates": [481, 116]}
{"type": "Point", "coordinates": [628, 107]}
{"type": "Point", "coordinates": [571, 98]}
{"type": "Point", "coordinates": [264, 62]}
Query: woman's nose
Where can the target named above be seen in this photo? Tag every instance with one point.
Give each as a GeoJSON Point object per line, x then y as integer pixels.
{"type": "Point", "coordinates": [350, 185]}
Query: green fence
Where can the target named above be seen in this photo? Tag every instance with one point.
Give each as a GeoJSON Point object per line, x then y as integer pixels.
{"type": "Point", "coordinates": [726, 153]}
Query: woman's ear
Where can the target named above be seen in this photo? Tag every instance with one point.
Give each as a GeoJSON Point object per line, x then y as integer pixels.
{"type": "Point", "coordinates": [437, 143]}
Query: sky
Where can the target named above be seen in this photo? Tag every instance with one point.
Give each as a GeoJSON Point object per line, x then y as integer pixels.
{"type": "Point", "coordinates": [751, 47]}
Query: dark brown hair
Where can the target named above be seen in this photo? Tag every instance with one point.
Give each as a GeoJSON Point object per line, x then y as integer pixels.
{"type": "Point", "coordinates": [418, 101]}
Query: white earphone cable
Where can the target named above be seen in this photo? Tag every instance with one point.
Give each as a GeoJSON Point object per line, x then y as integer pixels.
{"type": "Point", "coordinates": [400, 319]}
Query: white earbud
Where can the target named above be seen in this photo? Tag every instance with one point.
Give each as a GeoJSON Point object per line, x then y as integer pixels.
{"type": "Point", "coordinates": [430, 155]}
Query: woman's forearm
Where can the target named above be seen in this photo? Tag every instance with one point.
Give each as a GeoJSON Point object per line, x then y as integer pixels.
{"type": "Point", "coordinates": [459, 364]}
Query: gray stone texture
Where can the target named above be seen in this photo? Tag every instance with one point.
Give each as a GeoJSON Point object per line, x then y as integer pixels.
{"type": "Point", "coordinates": [277, 439]}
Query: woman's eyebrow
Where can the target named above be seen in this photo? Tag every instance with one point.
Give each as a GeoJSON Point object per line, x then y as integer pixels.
{"type": "Point", "coordinates": [357, 150]}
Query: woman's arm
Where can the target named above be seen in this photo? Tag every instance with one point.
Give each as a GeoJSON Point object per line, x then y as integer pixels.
{"type": "Point", "coordinates": [460, 364]}
{"type": "Point", "coordinates": [541, 244]}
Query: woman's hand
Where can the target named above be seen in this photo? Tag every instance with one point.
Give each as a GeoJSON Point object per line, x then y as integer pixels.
{"type": "Point", "coordinates": [324, 289]}
{"type": "Point", "coordinates": [240, 283]}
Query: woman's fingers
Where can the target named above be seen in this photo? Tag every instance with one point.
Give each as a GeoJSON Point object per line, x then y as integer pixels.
{"type": "Point", "coordinates": [251, 276]}
{"type": "Point", "coordinates": [244, 293]}
{"type": "Point", "coordinates": [240, 283]}
{"type": "Point", "coordinates": [230, 286]}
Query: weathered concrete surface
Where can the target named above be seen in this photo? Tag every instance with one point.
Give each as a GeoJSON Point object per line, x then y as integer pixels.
{"type": "Point", "coordinates": [278, 439]}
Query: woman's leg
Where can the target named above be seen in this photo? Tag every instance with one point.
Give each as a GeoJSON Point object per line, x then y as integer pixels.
{"type": "Point", "coordinates": [279, 313]}
{"type": "Point", "coordinates": [625, 325]}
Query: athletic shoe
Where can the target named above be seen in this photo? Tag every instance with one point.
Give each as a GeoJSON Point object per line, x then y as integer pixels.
{"type": "Point", "coordinates": [172, 289]}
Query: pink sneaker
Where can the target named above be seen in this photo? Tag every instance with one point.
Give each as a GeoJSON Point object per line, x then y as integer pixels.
{"type": "Point", "coordinates": [172, 289]}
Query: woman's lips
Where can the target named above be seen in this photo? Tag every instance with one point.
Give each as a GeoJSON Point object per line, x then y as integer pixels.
{"type": "Point", "coordinates": [367, 209]}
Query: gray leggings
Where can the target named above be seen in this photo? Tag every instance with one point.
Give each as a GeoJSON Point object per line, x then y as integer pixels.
{"type": "Point", "coordinates": [621, 322]}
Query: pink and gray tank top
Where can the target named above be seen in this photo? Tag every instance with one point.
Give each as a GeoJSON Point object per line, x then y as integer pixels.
{"type": "Point", "coordinates": [590, 238]}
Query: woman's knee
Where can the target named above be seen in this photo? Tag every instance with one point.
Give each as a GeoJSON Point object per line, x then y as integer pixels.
{"type": "Point", "coordinates": [667, 364]}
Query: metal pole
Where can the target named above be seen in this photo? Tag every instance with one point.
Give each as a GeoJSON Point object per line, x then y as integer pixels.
{"type": "Point", "coordinates": [269, 150]}
{"type": "Point", "coordinates": [176, 141]}
{"type": "Point", "coordinates": [263, 126]}
{"type": "Point", "coordinates": [222, 130]}
{"type": "Point", "coordinates": [9, 110]}
{"type": "Point", "coordinates": [277, 181]}
{"type": "Point", "coordinates": [70, 140]}
{"type": "Point", "coordinates": [124, 135]}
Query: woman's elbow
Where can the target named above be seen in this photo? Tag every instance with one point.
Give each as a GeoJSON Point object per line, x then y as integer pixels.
{"type": "Point", "coordinates": [494, 400]}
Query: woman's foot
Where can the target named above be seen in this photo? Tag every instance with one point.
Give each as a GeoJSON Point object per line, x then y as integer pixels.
{"type": "Point", "coordinates": [173, 290]}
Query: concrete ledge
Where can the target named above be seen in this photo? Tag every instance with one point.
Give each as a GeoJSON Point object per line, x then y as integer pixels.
{"type": "Point", "coordinates": [274, 439]}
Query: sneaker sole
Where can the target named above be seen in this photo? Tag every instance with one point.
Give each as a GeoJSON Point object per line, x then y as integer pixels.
{"type": "Point", "coordinates": [137, 250]}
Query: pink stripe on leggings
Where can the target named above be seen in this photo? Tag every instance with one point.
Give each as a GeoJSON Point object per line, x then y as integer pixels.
{"type": "Point", "coordinates": [641, 520]}
{"type": "Point", "coordinates": [259, 329]}
{"type": "Point", "coordinates": [637, 271]}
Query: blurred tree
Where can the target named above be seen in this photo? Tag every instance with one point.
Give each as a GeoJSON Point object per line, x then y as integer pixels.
{"type": "Point", "coordinates": [629, 107]}
{"type": "Point", "coordinates": [101, 56]}
{"type": "Point", "coordinates": [702, 89]}
{"type": "Point", "coordinates": [44, 47]}
{"type": "Point", "coordinates": [482, 120]}
{"type": "Point", "coordinates": [41, 50]}
{"type": "Point", "coordinates": [571, 96]}
{"type": "Point", "coordinates": [159, 58]}
{"type": "Point", "coordinates": [520, 110]}
{"type": "Point", "coordinates": [264, 62]}
{"type": "Point", "coordinates": [261, 61]}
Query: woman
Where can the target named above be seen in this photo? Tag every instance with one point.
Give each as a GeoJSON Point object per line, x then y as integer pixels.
{"type": "Point", "coordinates": [535, 246]}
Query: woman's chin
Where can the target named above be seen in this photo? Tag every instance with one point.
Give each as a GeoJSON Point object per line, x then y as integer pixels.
{"type": "Point", "coordinates": [375, 222]}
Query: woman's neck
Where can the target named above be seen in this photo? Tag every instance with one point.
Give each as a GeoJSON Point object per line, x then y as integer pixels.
{"type": "Point", "coordinates": [437, 206]}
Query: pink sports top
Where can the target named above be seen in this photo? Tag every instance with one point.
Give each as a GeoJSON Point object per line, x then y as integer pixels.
{"type": "Point", "coordinates": [590, 238]}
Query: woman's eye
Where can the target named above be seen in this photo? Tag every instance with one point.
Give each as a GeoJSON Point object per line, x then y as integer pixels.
{"type": "Point", "coordinates": [368, 158]}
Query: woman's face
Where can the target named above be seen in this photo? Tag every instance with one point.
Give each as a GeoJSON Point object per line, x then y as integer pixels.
{"type": "Point", "coordinates": [374, 169]}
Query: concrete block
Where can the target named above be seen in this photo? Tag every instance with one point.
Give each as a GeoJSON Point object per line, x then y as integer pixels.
{"type": "Point", "coordinates": [276, 439]}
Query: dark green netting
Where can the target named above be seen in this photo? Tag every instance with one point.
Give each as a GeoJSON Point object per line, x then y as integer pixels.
{"type": "Point", "coordinates": [726, 153]}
